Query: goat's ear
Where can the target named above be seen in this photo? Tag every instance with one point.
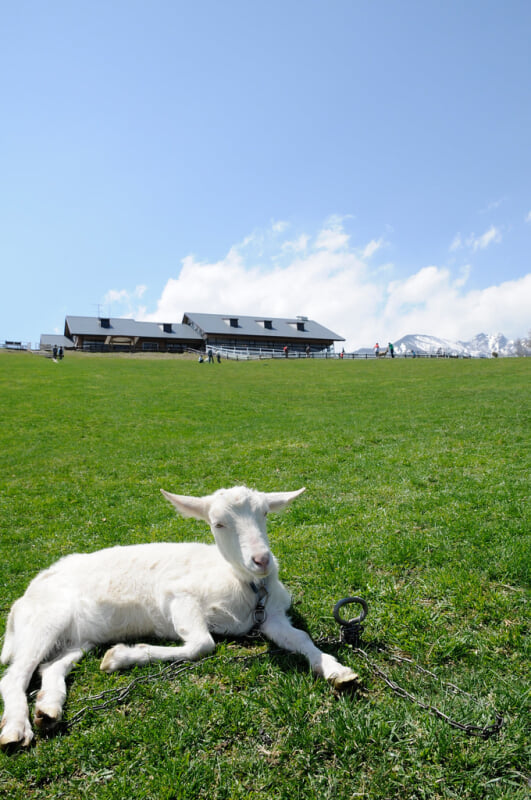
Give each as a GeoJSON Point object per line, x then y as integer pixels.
{"type": "Point", "coordinates": [279, 500]}
{"type": "Point", "coordinates": [196, 507]}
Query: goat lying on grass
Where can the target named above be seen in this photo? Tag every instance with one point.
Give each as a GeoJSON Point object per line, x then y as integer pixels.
{"type": "Point", "coordinates": [173, 591]}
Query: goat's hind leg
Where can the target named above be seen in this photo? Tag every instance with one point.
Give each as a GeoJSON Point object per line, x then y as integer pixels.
{"type": "Point", "coordinates": [52, 695]}
{"type": "Point", "coordinates": [16, 727]}
{"type": "Point", "coordinates": [30, 638]}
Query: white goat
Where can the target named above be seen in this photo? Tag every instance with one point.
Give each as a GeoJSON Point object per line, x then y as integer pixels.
{"type": "Point", "coordinates": [173, 591]}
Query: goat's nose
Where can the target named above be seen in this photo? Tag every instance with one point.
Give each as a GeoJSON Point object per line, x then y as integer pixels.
{"type": "Point", "coordinates": [262, 560]}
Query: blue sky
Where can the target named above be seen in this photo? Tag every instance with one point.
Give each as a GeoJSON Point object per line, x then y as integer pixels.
{"type": "Point", "coordinates": [364, 163]}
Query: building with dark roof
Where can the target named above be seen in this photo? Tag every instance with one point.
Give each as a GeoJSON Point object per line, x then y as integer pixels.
{"type": "Point", "coordinates": [50, 340]}
{"type": "Point", "coordinates": [105, 334]}
{"type": "Point", "coordinates": [197, 332]}
{"type": "Point", "coordinates": [232, 331]}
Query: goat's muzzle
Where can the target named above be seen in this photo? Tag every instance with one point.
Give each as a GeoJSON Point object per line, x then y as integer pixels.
{"type": "Point", "coordinates": [262, 561]}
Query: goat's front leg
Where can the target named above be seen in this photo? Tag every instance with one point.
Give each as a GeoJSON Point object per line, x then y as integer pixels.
{"type": "Point", "coordinates": [279, 629]}
{"type": "Point", "coordinates": [189, 625]}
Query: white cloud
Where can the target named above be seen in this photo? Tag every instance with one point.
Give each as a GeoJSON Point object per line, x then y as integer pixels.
{"type": "Point", "coordinates": [371, 248]}
{"type": "Point", "coordinates": [489, 237]}
{"type": "Point", "coordinates": [125, 299]}
{"type": "Point", "coordinates": [528, 217]}
{"type": "Point", "coordinates": [116, 296]}
{"type": "Point", "coordinates": [430, 302]}
{"type": "Point", "coordinates": [475, 243]}
{"type": "Point", "coordinates": [495, 204]}
{"type": "Point", "coordinates": [279, 226]}
{"type": "Point", "coordinates": [297, 245]}
{"type": "Point", "coordinates": [331, 239]}
{"type": "Point", "coordinates": [322, 276]}
{"type": "Point", "coordinates": [124, 295]}
{"type": "Point", "coordinates": [333, 236]}
{"type": "Point", "coordinates": [457, 243]}
{"type": "Point", "coordinates": [463, 276]}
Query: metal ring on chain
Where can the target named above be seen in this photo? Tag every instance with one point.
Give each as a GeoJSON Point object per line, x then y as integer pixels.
{"type": "Point", "coordinates": [348, 601]}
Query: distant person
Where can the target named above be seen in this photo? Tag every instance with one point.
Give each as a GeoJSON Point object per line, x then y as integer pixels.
{"type": "Point", "coordinates": [210, 356]}
{"type": "Point", "coordinates": [218, 357]}
{"type": "Point", "coordinates": [60, 353]}
{"type": "Point", "coordinates": [377, 349]}
{"type": "Point", "coordinates": [200, 360]}
{"type": "Point", "coordinates": [392, 349]}
{"type": "Point", "coordinates": [54, 352]}
{"type": "Point", "coordinates": [308, 351]}
{"type": "Point", "coordinates": [286, 350]}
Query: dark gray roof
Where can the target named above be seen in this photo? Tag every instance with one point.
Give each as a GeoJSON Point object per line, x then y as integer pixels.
{"type": "Point", "coordinates": [281, 328]}
{"type": "Point", "coordinates": [49, 339]}
{"type": "Point", "coordinates": [91, 326]}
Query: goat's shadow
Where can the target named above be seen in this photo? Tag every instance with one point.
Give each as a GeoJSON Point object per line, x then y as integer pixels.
{"type": "Point", "coordinates": [284, 660]}
{"type": "Point", "coordinates": [288, 661]}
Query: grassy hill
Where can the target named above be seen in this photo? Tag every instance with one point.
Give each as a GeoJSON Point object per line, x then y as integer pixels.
{"type": "Point", "coordinates": [417, 476]}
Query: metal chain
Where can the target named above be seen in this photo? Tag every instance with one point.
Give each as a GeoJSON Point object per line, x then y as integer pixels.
{"type": "Point", "coordinates": [111, 697]}
{"type": "Point", "coordinates": [351, 634]}
{"type": "Point", "coordinates": [484, 732]}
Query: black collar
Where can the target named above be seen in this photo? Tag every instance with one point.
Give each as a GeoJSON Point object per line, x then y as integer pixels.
{"type": "Point", "coordinates": [261, 593]}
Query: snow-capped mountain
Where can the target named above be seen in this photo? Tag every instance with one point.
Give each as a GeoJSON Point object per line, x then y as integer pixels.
{"type": "Point", "coordinates": [481, 345]}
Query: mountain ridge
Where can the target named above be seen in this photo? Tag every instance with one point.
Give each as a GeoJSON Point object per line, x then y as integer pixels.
{"type": "Point", "coordinates": [480, 346]}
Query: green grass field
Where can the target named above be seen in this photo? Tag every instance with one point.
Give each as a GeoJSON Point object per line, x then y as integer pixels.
{"type": "Point", "coordinates": [417, 476]}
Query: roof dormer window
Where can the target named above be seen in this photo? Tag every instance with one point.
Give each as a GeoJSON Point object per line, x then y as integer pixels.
{"type": "Point", "coordinates": [105, 322]}
{"type": "Point", "coordinates": [299, 325]}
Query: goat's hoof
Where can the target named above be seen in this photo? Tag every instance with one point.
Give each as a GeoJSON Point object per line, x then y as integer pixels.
{"type": "Point", "coordinates": [114, 658]}
{"type": "Point", "coordinates": [15, 736]}
{"type": "Point", "coordinates": [346, 679]}
{"type": "Point", "coordinates": [46, 720]}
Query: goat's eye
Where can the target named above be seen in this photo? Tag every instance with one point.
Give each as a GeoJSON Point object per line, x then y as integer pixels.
{"type": "Point", "coordinates": [219, 525]}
